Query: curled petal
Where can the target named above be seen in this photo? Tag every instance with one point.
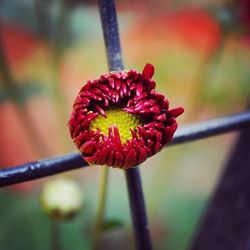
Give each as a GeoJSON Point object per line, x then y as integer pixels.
{"type": "Point", "coordinates": [87, 147]}
{"type": "Point", "coordinates": [148, 71]}
{"type": "Point", "coordinates": [100, 110]}
{"type": "Point", "coordinates": [118, 160]}
{"type": "Point", "coordinates": [111, 159]}
{"type": "Point", "coordinates": [130, 160]}
{"type": "Point", "coordinates": [175, 112]}
{"type": "Point", "coordinates": [117, 136]}
{"type": "Point", "coordinates": [83, 136]}
{"type": "Point", "coordinates": [102, 157]}
{"type": "Point", "coordinates": [142, 155]}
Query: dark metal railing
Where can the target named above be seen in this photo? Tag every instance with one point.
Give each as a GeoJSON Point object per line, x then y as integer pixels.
{"type": "Point", "coordinates": [113, 50]}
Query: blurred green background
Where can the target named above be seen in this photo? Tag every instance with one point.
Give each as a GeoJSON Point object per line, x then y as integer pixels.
{"type": "Point", "coordinates": [49, 49]}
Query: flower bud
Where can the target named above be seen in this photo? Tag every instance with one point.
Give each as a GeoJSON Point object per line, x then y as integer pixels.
{"type": "Point", "coordinates": [119, 120]}
{"type": "Point", "coordinates": [61, 199]}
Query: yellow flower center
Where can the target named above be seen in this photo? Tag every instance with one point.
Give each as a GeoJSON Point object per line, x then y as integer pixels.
{"type": "Point", "coordinates": [116, 116]}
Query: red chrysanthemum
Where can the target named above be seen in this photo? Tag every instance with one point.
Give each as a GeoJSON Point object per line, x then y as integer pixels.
{"type": "Point", "coordinates": [119, 120]}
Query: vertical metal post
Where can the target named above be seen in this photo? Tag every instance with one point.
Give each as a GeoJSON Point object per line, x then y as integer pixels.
{"type": "Point", "coordinates": [113, 50]}
{"type": "Point", "coordinates": [111, 34]}
{"type": "Point", "coordinates": [226, 223]}
{"type": "Point", "coordinates": [138, 209]}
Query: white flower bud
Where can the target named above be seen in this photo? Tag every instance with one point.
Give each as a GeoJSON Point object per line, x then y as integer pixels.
{"type": "Point", "coordinates": [61, 199]}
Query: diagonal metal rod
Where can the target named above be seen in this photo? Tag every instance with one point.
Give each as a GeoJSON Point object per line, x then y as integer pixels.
{"type": "Point", "coordinates": [136, 199]}
{"type": "Point", "coordinates": [212, 127]}
{"type": "Point", "coordinates": [38, 169]}
{"type": "Point", "coordinates": [55, 165]}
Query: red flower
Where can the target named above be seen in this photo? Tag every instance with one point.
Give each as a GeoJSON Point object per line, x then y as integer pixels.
{"type": "Point", "coordinates": [119, 119]}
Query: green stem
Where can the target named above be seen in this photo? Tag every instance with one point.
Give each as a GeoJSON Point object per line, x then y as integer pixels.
{"type": "Point", "coordinates": [101, 205]}
{"type": "Point", "coordinates": [55, 236]}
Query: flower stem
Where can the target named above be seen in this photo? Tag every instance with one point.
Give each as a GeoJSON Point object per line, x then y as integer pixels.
{"type": "Point", "coordinates": [101, 205]}
{"type": "Point", "coordinates": [55, 236]}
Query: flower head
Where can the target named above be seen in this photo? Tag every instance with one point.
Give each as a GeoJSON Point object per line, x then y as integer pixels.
{"type": "Point", "coordinates": [119, 120]}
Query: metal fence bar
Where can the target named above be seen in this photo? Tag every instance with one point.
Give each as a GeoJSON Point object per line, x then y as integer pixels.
{"type": "Point", "coordinates": [111, 34]}
{"type": "Point", "coordinates": [42, 168]}
{"type": "Point", "coordinates": [212, 127]}
{"type": "Point", "coordinates": [39, 169]}
{"type": "Point", "coordinates": [135, 192]}
{"type": "Point", "coordinates": [137, 205]}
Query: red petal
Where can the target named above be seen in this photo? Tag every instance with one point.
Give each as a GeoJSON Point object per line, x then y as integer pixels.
{"type": "Point", "coordinates": [157, 147]}
{"type": "Point", "coordinates": [111, 159]}
{"type": "Point", "coordinates": [148, 71]}
{"type": "Point", "coordinates": [155, 109]}
{"type": "Point", "coordinates": [88, 119]}
{"type": "Point", "coordinates": [88, 147]}
{"type": "Point", "coordinates": [158, 136]}
{"type": "Point", "coordinates": [112, 83]}
{"type": "Point", "coordinates": [90, 160]}
{"type": "Point", "coordinates": [82, 137]}
{"type": "Point", "coordinates": [124, 88]}
{"type": "Point", "coordinates": [102, 156]}
{"type": "Point", "coordinates": [133, 133]}
{"type": "Point", "coordinates": [176, 112]}
{"type": "Point", "coordinates": [117, 84]}
{"type": "Point", "coordinates": [169, 132]}
{"type": "Point", "coordinates": [118, 160]}
{"type": "Point", "coordinates": [121, 93]}
{"type": "Point", "coordinates": [140, 97]}
{"type": "Point", "coordinates": [150, 143]}
{"type": "Point", "coordinates": [160, 118]}
{"type": "Point", "coordinates": [100, 110]}
{"type": "Point", "coordinates": [130, 110]}
{"type": "Point", "coordinates": [130, 160]}
{"type": "Point", "coordinates": [142, 155]}
{"type": "Point", "coordinates": [117, 136]}
{"type": "Point", "coordinates": [142, 132]}
{"type": "Point", "coordinates": [96, 97]}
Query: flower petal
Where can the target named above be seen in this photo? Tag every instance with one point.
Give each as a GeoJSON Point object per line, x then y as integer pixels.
{"type": "Point", "coordinates": [148, 71]}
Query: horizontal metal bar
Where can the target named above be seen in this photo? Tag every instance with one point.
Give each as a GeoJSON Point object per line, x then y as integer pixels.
{"type": "Point", "coordinates": [212, 127]}
{"type": "Point", "coordinates": [42, 168]}
{"type": "Point", "coordinates": [55, 165]}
